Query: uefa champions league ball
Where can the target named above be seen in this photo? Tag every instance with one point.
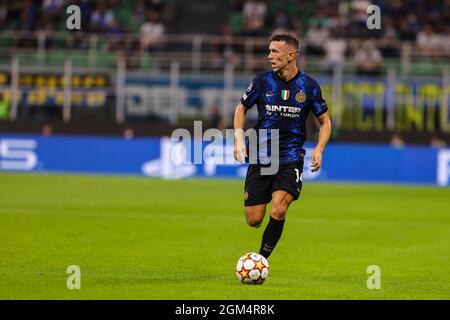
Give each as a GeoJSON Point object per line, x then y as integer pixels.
{"type": "Point", "coordinates": [252, 268]}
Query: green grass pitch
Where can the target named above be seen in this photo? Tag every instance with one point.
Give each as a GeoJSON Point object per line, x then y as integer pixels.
{"type": "Point", "coordinates": [138, 238]}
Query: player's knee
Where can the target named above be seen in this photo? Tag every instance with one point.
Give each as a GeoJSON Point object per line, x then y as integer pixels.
{"type": "Point", "coordinates": [254, 219]}
{"type": "Point", "coordinates": [254, 222]}
{"type": "Point", "coordinates": [279, 211]}
{"type": "Point", "coordinates": [254, 215]}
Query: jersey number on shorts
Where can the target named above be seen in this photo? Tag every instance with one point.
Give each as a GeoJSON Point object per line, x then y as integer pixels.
{"type": "Point", "coordinates": [299, 177]}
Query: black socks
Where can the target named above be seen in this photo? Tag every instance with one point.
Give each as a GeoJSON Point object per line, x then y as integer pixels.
{"type": "Point", "coordinates": [271, 236]}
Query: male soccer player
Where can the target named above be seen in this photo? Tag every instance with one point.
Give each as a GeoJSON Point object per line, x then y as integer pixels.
{"type": "Point", "coordinates": [284, 96]}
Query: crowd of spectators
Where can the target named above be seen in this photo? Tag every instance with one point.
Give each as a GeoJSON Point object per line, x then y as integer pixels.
{"type": "Point", "coordinates": [327, 26]}
{"type": "Point", "coordinates": [29, 18]}
{"type": "Point", "coordinates": [402, 20]}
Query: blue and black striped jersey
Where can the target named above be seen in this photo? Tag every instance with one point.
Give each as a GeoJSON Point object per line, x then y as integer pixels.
{"type": "Point", "coordinates": [284, 105]}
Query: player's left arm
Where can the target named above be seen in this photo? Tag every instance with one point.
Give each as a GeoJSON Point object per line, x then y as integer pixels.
{"type": "Point", "coordinates": [324, 136]}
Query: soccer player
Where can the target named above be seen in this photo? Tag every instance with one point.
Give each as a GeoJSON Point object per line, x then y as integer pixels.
{"type": "Point", "coordinates": [284, 97]}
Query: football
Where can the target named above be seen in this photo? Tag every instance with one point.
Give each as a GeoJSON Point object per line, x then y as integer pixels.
{"type": "Point", "coordinates": [252, 268]}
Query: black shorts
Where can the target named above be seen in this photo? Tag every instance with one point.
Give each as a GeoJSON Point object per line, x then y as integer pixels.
{"type": "Point", "coordinates": [259, 188]}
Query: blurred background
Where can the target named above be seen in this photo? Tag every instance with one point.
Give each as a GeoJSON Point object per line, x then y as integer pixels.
{"type": "Point", "coordinates": [88, 170]}
{"type": "Point", "coordinates": [143, 68]}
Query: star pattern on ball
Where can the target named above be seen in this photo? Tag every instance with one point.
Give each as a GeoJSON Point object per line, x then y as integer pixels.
{"type": "Point", "coordinates": [259, 265]}
{"type": "Point", "coordinates": [244, 273]}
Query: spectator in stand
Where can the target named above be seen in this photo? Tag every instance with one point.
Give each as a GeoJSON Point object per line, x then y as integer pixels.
{"type": "Point", "coordinates": [139, 15]}
{"type": "Point", "coordinates": [27, 22]}
{"type": "Point", "coordinates": [445, 41]}
{"type": "Point", "coordinates": [408, 26]}
{"type": "Point", "coordinates": [368, 59]}
{"type": "Point", "coordinates": [216, 120]}
{"type": "Point", "coordinates": [115, 35]}
{"type": "Point", "coordinates": [128, 52]}
{"type": "Point", "coordinates": [45, 29]}
{"type": "Point", "coordinates": [226, 50]}
{"type": "Point", "coordinates": [428, 42]}
{"type": "Point", "coordinates": [156, 5]}
{"type": "Point", "coordinates": [436, 142]}
{"type": "Point", "coordinates": [128, 133]}
{"type": "Point", "coordinates": [358, 28]}
{"type": "Point", "coordinates": [282, 23]}
{"type": "Point", "coordinates": [103, 19]}
{"type": "Point", "coordinates": [335, 49]}
{"type": "Point", "coordinates": [47, 130]}
{"type": "Point", "coordinates": [316, 37]}
{"type": "Point", "coordinates": [397, 141]}
{"type": "Point", "coordinates": [86, 8]}
{"type": "Point", "coordinates": [142, 8]}
{"type": "Point", "coordinates": [254, 15]}
{"type": "Point", "coordinates": [389, 46]}
{"type": "Point", "coordinates": [3, 13]}
{"type": "Point", "coordinates": [319, 18]}
{"type": "Point", "coordinates": [52, 9]}
{"type": "Point", "coordinates": [28, 16]}
{"type": "Point", "coordinates": [152, 32]}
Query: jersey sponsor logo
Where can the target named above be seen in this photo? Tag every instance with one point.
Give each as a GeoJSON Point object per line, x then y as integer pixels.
{"type": "Point", "coordinates": [285, 94]}
{"type": "Point", "coordinates": [289, 109]}
{"type": "Point", "coordinates": [300, 97]}
{"type": "Point", "coordinates": [285, 111]}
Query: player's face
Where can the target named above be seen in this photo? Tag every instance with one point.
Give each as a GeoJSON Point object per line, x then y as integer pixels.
{"type": "Point", "coordinates": [280, 55]}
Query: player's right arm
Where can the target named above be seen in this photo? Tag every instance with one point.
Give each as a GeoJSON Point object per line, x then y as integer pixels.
{"type": "Point", "coordinates": [240, 151]}
{"type": "Point", "coordinates": [249, 98]}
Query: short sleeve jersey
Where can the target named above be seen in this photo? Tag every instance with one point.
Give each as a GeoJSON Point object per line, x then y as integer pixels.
{"type": "Point", "coordinates": [283, 105]}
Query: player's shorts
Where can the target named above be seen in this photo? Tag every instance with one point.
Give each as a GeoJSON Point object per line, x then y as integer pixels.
{"type": "Point", "coordinates": [259, 188]}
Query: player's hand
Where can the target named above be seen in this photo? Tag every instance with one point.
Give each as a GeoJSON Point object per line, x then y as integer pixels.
{"type": "Point", "coordinates": [316, 162]}
{"type": "Point", "coordinates": [240, 152]}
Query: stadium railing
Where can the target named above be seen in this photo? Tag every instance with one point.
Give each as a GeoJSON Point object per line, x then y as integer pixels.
{"type": "Point", "coordinates": [168, 84]}
{"type": "Point", "coordinates": [195, 53]}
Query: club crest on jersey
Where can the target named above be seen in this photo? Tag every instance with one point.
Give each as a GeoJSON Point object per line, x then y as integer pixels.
{"type": "Point", "coordinates": [285, 94]}
{"type": "Point", "coordinates": [300, 97]}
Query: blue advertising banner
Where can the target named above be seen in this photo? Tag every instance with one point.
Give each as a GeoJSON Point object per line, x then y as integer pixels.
{"type": "Point", "coordinates": [161, 157]}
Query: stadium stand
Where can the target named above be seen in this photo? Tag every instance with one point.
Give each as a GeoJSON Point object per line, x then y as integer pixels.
{"type": "Point", "coordinates": [416, 32]}
{"type": "Point", "coordinates": [205, 37]}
